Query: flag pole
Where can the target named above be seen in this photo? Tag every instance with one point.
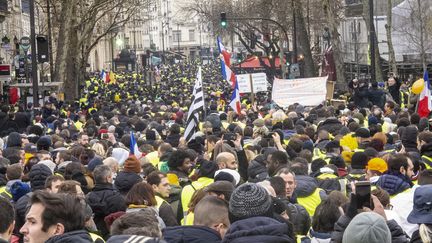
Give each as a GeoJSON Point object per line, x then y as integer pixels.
{"type": "Point", "coordinates": [202, 84]}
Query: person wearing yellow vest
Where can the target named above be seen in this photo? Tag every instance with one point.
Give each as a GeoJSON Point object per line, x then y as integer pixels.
{"type": "Point", "coordinates": [306, 191]}
{"type": "Point", "coordinates": [359, 161]}
{"type": "Point", "coordinates": [424, 145]}
{"type": "Point", "coordinates": [162, 188]}
{"type": "Point", "coordinates": [205, 171]}
{"type": "Point", "coordinates": [398, 176]}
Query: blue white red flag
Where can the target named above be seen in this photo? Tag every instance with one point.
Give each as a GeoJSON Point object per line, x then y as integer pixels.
{"type": "Point", "coordinates": [134, 147]}
{"type": "Point", "coordinates": [225, 57]}
{"type": "Point", "coordinates": [235, 100]}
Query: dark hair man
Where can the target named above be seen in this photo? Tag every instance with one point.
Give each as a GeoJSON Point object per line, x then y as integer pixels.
{"type": "Point", "coordinates": [7, 222]}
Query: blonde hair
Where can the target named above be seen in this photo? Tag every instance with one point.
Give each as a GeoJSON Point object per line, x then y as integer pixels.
{"type": "Point", "coordinates": [425, 233]}
{"type": "Point", "coordinates": [99, 149]}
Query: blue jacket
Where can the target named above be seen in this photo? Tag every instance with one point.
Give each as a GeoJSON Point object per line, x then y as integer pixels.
{"type": "Point", "coordinates": [191, 234]}
{"type": "Point", "coordinates": [258, 229]}
{"type": "Point", "coordinates": [393, 184]}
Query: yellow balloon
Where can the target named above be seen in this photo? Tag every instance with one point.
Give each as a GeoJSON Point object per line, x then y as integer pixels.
{"type": "Point", "coordinates": [417, 86]}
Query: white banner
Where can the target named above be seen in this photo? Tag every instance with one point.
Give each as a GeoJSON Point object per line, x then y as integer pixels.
{"type": "Point", "coordinates": [259, 82]}
{"type": "Point", "coordinates": [305, 91]}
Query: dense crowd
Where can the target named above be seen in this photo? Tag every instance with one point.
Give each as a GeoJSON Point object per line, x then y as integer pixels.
{"type": "Point", "coordinates": [69, 172]}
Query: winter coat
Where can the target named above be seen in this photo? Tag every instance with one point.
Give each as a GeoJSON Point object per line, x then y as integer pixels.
{"type": "Point", "coordinates": [257, 170]}
{"type": "Point", "coordinates": [360, 96]}
{"type": "Point", "coordinates": [394, 91]}
{"type": "Point", "coordinates": [191, 234]}
{"type": "Point", "coordinates": [78, 236]}
{"type": "Point", "coordinates": [393, 183]}
{"type": "Point", "coordinates": [22, 119]}
{"type": "Point", "coordinates": [331, 125]}
{"type": "Point", "coordinates": [306, 185]}
{"type": "Point", "coordinates": [377, 97]}
{"type": "Point", "coordinates": [317, 237]}
{"type": "Point", "coordinates": [133, 238]}
{"type": "Point", "coordinates": [125, 181]}
{"type": "Point", "coordinates": [104, 200]}
{"type": "Point", "coordinates": [297, 214]}
{"type": "Point", "coordinates": [258, 229]}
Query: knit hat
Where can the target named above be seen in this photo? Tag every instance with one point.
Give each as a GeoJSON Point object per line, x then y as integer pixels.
{"type": "Point", "coordinates": [13, 140]}
{"type": "Point", "coordinates": [367, 227]}
{"type": "Point", "coordinates": [377, 164]}
{"type": "Point", "coordinates": [249, 200]}
{"type": "Point", "coordinates": [19, 189]}
{"type": "Point", "coordinates": [233, 173]}
{"type": "Point", "coordinates": [51, 165]}
{"type": "Point", "coordinates": [132, 165]}
{"type": "Point", "coordinates": [38, 175]}
{"type": "Point", "coordinates": [422, 208]}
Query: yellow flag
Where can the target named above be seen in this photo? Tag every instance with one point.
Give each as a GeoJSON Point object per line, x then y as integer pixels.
{"type": "Point", "coordinates": [112, 77]}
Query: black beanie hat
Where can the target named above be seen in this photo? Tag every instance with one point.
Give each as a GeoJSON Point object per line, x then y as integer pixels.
{"type": "Point", "coordinates": [38, 175]}
{"type": "Point", "coordinates": [249, 200]}
{"type": "Point", "coordinates": [359, 160]}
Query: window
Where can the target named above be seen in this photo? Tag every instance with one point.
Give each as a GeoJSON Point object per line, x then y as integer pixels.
{"type": "Point", "coordinates": [191, 35]}
{"type": "Point", "coordinates": [176, 35]}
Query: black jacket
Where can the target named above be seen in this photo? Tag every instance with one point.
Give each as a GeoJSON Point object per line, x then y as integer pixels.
{"type": "Point", "coordinates": [258, 229]}
{"type": "Point", "coordinates": [191, 234]}
{"type": "Point", "coordinates": [377, 97]}
{"type": "Point", "coordinates": [78, 236]}
{"type": "Point", "coordinates": [104, 200]}
{"type": "Point", "coordinates": [331, 125]}
{"type": "Point", "coordinates": [126, 180]}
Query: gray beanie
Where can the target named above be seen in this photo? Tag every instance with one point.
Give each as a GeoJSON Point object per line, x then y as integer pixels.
{"type": "Point", "coordinates": [249, 200]}
{"type": "Point", "coordinates": [367, 227]}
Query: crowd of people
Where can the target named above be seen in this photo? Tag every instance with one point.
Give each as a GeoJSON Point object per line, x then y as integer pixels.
{"type": "Point", "coordinates": [70, 172]}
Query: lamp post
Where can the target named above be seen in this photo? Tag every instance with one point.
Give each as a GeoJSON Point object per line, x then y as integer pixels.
{"type": "Point", "coordinates": [372, 40]}
{"type": "Point", "coordinates": [33, 56]}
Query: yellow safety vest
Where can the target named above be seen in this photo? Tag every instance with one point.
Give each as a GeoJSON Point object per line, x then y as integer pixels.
{"type": "Point", "coordinates": [327, 176]}
{"type": "Point", "coordinates": [188, 219]}
{"type": "Point", "coordinates": [188, 191]}
{"type": "Point", "coordinates": [159, 201]}
{"type": "Point", "coordinates": [96, 238]}
{"type": "Point", "coordinates": [427, 161]}
{"type": "Point", "coordinates": [310, 203]}
{"type": "Point", "coordinates": [153, 158]}
{"type": "Point", "coordinates": [318, 154]}
{"type": "Point", "coordinates": [5, 193]}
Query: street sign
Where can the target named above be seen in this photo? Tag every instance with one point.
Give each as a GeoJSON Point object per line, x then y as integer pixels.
{"type": "Point", "coordinates": [25, 43]}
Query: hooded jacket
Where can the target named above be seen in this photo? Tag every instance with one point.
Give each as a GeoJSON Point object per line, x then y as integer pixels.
{"type": "Point", "coordinates": [78, 236]}
{"type": "Point", "coordinates": [409, 139]}
{"type": "Point", "coordinates": [191, 234]}
{"type": "Point", "coordinates": [308, 194]}
{"type": "Point", "coordinates": [258, 229]}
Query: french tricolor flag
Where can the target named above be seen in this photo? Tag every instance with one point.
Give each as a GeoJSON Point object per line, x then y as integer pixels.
{"type": "Point", "coordinates": [134, 147]}
{"type": "Point", "coordinates": [235, 100]}
{"type": "Point", "coordinates": [225, 57]}
{"type": "Point", "coordinates": [425, 101]}
{"type": "Point", "coordinates": [105, 76]}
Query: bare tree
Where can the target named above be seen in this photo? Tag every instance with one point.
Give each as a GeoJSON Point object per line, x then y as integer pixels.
{"type": "Point", "coordinates": [81, 25]}
{"type": "Point", "coordinates": [368, 21]}
{"type": "Point", "coordinates": [388, 26]}
{"type": "Point", "coordinates": [415, 25]}
{"type": "Point", "coordinates": [333, 11]}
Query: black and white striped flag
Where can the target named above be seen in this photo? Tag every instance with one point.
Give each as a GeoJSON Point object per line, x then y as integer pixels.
{"type": "Point", "coordinates": [196, 106]}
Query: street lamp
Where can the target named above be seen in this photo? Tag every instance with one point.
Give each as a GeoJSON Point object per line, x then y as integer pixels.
{"type": "Point", "coordinates": [119, 42]}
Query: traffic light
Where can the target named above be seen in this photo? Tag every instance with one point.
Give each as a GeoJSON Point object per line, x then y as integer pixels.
{"type": "Point", "coordinates": [223, 20]}
{"type": "Point", "coordinates": [42, 49]}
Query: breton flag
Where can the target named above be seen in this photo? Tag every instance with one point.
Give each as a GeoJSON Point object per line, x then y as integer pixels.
{"type": "Point", "coordinates": [196, 106]}
{"type": "Point", "coordinates": [134, 147]}
{"type": "Point", "coordinates": [425, 101]}
{"type": "Point", "coordinates": [235, 100]}
{"type": "Point", "coordinates": [225, 57]}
